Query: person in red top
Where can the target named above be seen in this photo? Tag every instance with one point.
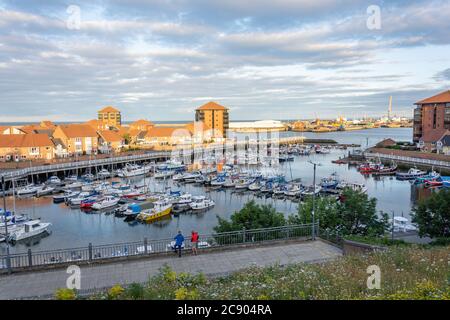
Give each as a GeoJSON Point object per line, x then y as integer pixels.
{"type": "Point", "coordinates": [194, 242]}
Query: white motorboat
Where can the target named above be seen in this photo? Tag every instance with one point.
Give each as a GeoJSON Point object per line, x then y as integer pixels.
{"type": "Point", "coordinates": [88, 177]}
{"type": "Point", "coordinates": [218, 182]}
{"type": "Point", "coordinates": [309, 191]}
{"type": "Point", "coordinates": [201, 203]}
{"type": "Point", "coordinates": [72, 178]}
{"type": "Point", "coordinates": [242, 184]}
{"type": "Point", "coordinates": [76, 201]}
{"type": "Point", "coordinates": [191, 177]}
{"type": "Point", "coordinates": [178, 177]}
{"type": "Point", "coordinates": [412, 173]}
{"type": "Point", "coordinates": [183, 199]}
{"type": "Point", "coordinates": [44, 190]}
{"type": "Point", "coordinates": [54, 180]}
{"type": "Point", "coordinates": [133, 170]}
{"type": "Point", "coordinates": [29, 229]}
{"type": "Point", "coordinates": [27, 190]}
{"type": "Point", "coordinates": [402, 224]}
{"type": "Point", "coordinates": [255, 186]}
{"type": "Point", "coordinates": [293, 190]}
{"type": "Point", "coordinates": [103, 174]}
{"type": "Point", "coordinates": [229, 183]}
{"type": "Point", "coordinates": [74, 185]}
{"type": "Point", "coordinates": [164, 174]}
{"type": "Point", "coordinates": [106, 202]}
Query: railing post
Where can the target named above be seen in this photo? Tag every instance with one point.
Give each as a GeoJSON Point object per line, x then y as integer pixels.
{"type": "Point", "coordinates": [145, 245]}
{"type": "Point", "coordinates": [30, 258]}
{"type": "Point", "coordinates": [243, 235]}
{"type": "Point", "coordinates": [90, 251]}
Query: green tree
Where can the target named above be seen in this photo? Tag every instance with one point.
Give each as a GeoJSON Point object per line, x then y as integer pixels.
{"type": "Point", "coordinates": [251, 216]}
{"type": "Point", "coordinates": [432, 215]}
{"type": "Point", "coordinates": [127, 138]}
{"type": "Point", "coordinates": [354, 214]}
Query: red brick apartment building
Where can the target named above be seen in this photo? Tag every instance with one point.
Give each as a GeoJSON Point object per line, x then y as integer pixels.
{"type": "Point", "coordinates": [431, 120]}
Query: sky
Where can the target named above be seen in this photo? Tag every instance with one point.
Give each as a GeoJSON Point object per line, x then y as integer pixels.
{"type": "Point", "coordinates": [265, 59]}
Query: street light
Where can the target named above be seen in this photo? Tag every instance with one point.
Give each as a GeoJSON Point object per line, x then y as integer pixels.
{"type": "Point", "coordinates": [314, 198]}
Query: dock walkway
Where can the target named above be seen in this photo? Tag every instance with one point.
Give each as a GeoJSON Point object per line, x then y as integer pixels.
{"type": "Point", "coordinates": [95, 277]}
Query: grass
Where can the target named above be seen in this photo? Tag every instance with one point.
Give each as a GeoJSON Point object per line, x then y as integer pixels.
{"type": "Point", "coordinates": [407, 272]}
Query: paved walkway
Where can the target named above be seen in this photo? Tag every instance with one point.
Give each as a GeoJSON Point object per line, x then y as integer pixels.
{"type": "Point", "coordinates": [44, 283]}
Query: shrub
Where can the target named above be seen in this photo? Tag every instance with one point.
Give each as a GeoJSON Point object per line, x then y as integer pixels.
{"type": "Point", "coordinates": [65, 294]}
{"type": "Point", "coordinates": [115, 292]}
{"type": "Point", "coordinates": [135, 291]}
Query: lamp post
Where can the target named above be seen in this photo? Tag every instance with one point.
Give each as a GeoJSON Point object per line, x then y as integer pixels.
{"type": "Point", "coordinates": [8, 261]}
{"type": "Point", "coordinates": [314, 199]}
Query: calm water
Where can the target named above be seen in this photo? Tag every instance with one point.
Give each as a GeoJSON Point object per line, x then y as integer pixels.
{"type": "Point", "coordinates": [74, 228]}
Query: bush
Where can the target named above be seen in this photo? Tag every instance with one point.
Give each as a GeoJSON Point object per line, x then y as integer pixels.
{"type": "Point", "coordinates": [65, 294]}
{"type": "Point", "coordinates": [135, 291]}
{"type": "Point", "coordinates": [379, 241]}
{"type": "Point", "coordinates": [432, 215]}
{"type": "Point", "coordinates": [115, 292]}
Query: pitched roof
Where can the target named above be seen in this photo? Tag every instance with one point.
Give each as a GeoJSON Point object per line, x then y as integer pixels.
{"type": "Point", "coordinates": [212, 106]}
{"type": "Point", "coordinates": [141, 122]}
{"type": "Point", "coordinates": [166, 132]}
{"type": "Point", "coordinates": [445, 139]}
{"type": "Point", "coordinates": [25, 140]}
{"type": "Point", "coordinates": [110, 136]}
{"type": "Point", "coordinates": [109, 109]}
{"type": "Point", "coordinates": [442, 97]}
{"type": "Point", "coordinates": [47, 124]}
{"type": "Point", "coordinates": [78, 130]}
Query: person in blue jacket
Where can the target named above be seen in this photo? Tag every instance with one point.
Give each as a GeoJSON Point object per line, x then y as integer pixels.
{"type": "Point", "coordinates": [179, 239]}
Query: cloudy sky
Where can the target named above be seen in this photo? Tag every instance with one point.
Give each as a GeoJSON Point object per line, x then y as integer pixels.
{"type": "Point", "coordinates": [264, 59]}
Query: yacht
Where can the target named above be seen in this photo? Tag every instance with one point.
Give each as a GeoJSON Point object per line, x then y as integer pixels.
{"type": "Point", "coordinates": [191, 177]}
{"type": "Point", "coordinates": [103, 174]}
{"type": "Point", "coordinates": [106, 202]}
{"type": "Point", "coordinates": [54, 180]}
{"type": "Point", "coordinates": [29, 229]}
{"type": "Point", "coordinates": [162, 208]}
{"type": "Point", "coordinates": [201, 203]}
{"type": "Point", "coordinates": [412, 174]}
{"type": "Point", "coordinates": [88, 177]}
{"type": "Point", "coordinates": [44, 190]}
{"type": "Point", "coordinates": [76, 201]}
{"type": "Point", "coordinates": [27, 190]}
{"type": "Point", "coordinates": [164, 174]}
{"type": "Point", "coordinates": [133, 170]}
{"type": "Point", "coordinates": [293, 190]}
{"type": "Point", "coordinates": [255, 186]}
{"type": "Point", "coordinates": [72, 178]}
{"type": "Point", "coordinates": [402, 224]}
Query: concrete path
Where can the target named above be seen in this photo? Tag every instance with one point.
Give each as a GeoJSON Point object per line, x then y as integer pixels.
{"type": "Point", "coordinates": [44, 283]}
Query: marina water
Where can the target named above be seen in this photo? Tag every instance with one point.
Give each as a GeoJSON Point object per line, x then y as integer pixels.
{"type": "Point", "coordinates": [73, 228]}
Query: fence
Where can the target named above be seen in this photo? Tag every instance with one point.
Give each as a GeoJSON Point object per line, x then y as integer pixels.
{"type": "Point", "coordinates": [146, 248]}
{"type": "Point", "coordinates": [80, 164]}
{"type": "Point", "coordinates": [429, 162]}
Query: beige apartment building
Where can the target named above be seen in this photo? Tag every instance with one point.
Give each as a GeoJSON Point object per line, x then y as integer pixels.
{"type": "Point", "coordinates": [110, 117]}
{"type": "Point", "coordinates": [215, 117]}
{"type": "Point", "coordinates": [77, 138]}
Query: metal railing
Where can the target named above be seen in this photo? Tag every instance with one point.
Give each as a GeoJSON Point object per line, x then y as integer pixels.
{"type": "Point", "coordinates": [146, 247]}
{"type": "Point", "coordinates": [84, 163]}
{"type": "Point", "coordinates": [430, 162]}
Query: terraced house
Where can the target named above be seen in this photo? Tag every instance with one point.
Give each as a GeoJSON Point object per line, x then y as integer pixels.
{"type": "Point", "coordinates": [110, 141]}
{"type": "Point", "coordinates": [77, 138]}
{"type": "Point", "coordinates": [19, 147]}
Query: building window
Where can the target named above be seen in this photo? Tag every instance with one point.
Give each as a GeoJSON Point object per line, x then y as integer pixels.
{"type": "Point", "coordinates": [34, 151]}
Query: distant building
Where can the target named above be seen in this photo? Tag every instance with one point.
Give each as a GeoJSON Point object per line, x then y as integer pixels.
{"type": "Point", "coordinates": [11, 130]}
{"type": "Point", "coordinates": [255, 126]}
{"type": "Point", "coordinates": [110, 116]}
{"type": "Point", "coordinates": [142, 125]}
{"type": "Point", "coordinates": [214, 116]}
{"type": "Point", "coordinates": [386, 143]}
{"type": "Point", "coordinates": [431, 120]}
{"type": "Point", "coordinates": [17, 147]}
